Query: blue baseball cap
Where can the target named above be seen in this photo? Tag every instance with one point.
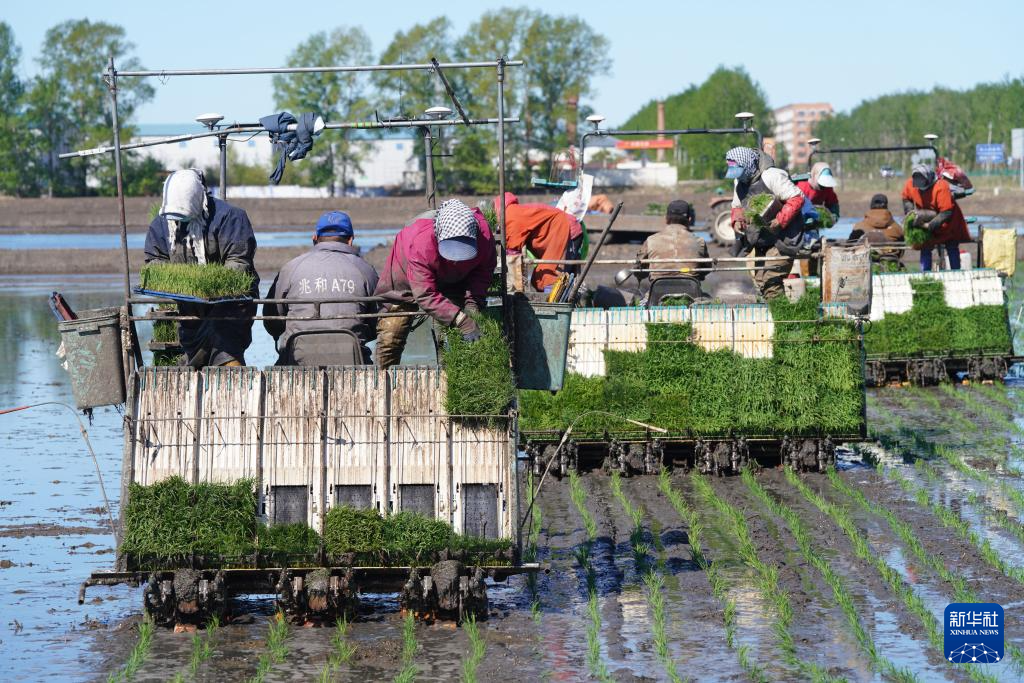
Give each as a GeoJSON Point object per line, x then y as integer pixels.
{"type": "Point", "coordinates": [334, 224]}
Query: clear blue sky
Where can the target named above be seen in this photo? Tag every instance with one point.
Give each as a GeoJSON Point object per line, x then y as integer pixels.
{"type": "Point", "coordinates": [829, 50]}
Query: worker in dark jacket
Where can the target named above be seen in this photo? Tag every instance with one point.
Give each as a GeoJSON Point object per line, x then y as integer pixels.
{"type": "Point", "coordinates": [879, 228]}
{"type": "Point", "coordinates": [194, 227]}
{"type": "Point", "coordinates": [442, 264]}
{"type": "Point", "coordinates": [755, 173]}
{"type": "Point", "coordinates": [937, 212]}
{"type": "Point", "coordinates": [332, 269]}
{"type": "Point", "coordinates": [674, 241]}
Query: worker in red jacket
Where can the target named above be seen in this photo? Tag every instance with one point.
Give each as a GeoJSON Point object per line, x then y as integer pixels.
{"type": "Point", "coordinates": [755, 173]}
{"type": "Point", "coordinates": [937, 212]}
{"type": "Point", "coordinates": [819, 187]}
{"type": "Point", "coordinates": [442, 264]}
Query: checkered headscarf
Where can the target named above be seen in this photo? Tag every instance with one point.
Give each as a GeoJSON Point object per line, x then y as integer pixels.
{"type": "Point", "coordinates": [747, 159]}
{"type": "Point", "coordinates": [454, 219]}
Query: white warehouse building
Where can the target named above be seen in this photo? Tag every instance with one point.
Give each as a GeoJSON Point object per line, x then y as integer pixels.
{"type": "Point", "coordinates": [388, 164]}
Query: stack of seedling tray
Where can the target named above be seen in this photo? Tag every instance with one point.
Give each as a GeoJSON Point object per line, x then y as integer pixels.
{"type": "Point", "coordinates": [195, 283]}
{"type": "Point", "coordinates": [173, 525]}
{"type": "Point", "coordinates": [812, 386]}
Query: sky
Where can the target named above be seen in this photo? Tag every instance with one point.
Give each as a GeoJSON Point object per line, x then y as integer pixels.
{"type": "Point", "coordinates": [831, 51]}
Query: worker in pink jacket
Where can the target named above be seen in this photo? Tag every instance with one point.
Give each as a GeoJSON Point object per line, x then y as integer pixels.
{"type": "Point", "coordinates": [442, 264]}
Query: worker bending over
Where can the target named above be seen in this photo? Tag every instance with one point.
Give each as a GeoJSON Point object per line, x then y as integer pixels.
{"type": "Point", "coordinates": [878, 228]}
{"type": "Point", "coordinates": [754, 173]}
{"type": "Point", "coordinates": [441, 263]}
{"type": "Point", "coordinates": [195, 227]}
{"type": "Point", "coordinates": [549, 234]}
{"type": "Point", "coordinates": [937, 212]}
{"type": "Point", "coordinates": [673, 244]}
{"type": "Point", "coordinates": [332, 269]}
{"type": "Point", "coordinates": [819, 188]}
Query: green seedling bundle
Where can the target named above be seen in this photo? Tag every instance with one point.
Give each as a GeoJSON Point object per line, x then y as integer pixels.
{"type": "Point", "coordinates": [825, 218]}
{"type": "Point", "coordinates": [914, 235]}
{"type": "Point", "coordinates": [479, 374]}
{"type": "Point", "coordinates": [812, 385]}
{"type": "Point", "coordinates": [204, 281]}
{"type": "Point", "coordinates": [756, 208]}
{"type": "Point", "coordinates": [932, 327]}
{"type": "Point", "coordinates": [173, 523]}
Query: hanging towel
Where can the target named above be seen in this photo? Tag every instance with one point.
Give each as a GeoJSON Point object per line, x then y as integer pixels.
{"type": "Point", "coordinates": [291, 144]}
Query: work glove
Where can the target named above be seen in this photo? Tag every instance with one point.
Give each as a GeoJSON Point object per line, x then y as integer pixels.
{"type": "Point", "coordinates": [468, 327]}
{"type": "Point", "coordinates": [923, 217]}
{"type": "Point", "coordinates": [471, 307]}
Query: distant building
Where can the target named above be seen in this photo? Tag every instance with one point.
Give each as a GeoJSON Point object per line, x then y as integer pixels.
{"type": "Point", "coordinates": [388, 161]}
{"type": "Point", "coordinates": [794, 126]}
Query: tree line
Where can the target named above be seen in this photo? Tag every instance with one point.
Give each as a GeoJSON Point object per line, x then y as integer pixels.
{"type": "Point", "coordinates": [712, 104]}
{"type": "Point", "coordinates": [961, 119]}
{"type": "Point", "coordinates": [65, 107]}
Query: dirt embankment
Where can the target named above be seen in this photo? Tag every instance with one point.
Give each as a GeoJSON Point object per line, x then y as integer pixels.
{"type": "Point", "coordinates": [100, 214]}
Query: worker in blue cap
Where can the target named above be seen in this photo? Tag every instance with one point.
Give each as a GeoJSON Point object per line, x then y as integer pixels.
{"type": "Point", "coordinates": [332, 270]}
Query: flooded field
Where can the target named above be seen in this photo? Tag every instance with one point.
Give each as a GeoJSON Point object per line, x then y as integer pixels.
{"type": "Point", "coordinates": [769, 576]}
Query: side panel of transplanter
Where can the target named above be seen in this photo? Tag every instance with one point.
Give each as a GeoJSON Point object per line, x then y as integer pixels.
{"type": "Point", "coordinates": [588, 339]}
{"type": "Point", "coordinates": [165, 429]}
{"type": "Point", "coordinates": [357, 437]}
{"type": "Point", "coordinates": [230, 424]}
{"type": "Point", "coordinates": [712, 326]}
{"type": "Point", "coordinates": [987, 287]}
{"type": "Point", "coordinates": [484, 481]}
{"type": "Point", "coordinates": [754, 330]}
{"type": "Point", "coordinates": [419, 462]}
{"type": "Point", "coordinates": [292, 446]}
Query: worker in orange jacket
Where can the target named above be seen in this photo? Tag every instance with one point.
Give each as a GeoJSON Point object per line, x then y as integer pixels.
{"type": "Point", "coordinates": [938, 212]}
{"type": "Point", "coordinates": [548, 233]}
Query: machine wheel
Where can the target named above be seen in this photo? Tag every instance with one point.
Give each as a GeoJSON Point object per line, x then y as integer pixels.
{"type": "Point", "coordinates": [185, 597]}
{"type": "Point", "coordinates": [721, 229]}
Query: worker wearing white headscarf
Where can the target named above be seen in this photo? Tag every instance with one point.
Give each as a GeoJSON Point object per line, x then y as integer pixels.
{"type": "Point", "coordinates": [194, 227]}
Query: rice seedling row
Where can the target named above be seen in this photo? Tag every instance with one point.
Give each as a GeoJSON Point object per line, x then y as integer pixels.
{"type": "Point", "coordinates": [276, 649]}
{"type": "Point", "coordinates": [949, 455]}
{"type": "Point", "coordinates": [477, 649]}
{"type": "Point", "coordinates": [768, 581]}
{"type": "Point", "coordinates": [840, 591]}
{"type": "Point", "coordinates": [961, 590]}
{"type": "Point", "coordinates": [137, 656]}
{"type": "Point", "coordinates": [595, 663]}
{"type": "Point", "coordinates": [998, 395]}
{"type": "Point", "coordinates": [652, 577]}
{"type": "Point", "coordinates": [532, 540]}
{"type": "Point", "coordinates": [952, 519]}
{"type": "Point", "coordinates": [341, 652]}
{"type": "Point", "coordinates": [202, 649]}
{"type": "Point", "coordinates": [407, 674]}
{"type": "Point", "coordinates": [719, 587]}
{"type": "Point", "coordinates": [979, 406]}
{"type": "Point", "coordinates": [911, 600]}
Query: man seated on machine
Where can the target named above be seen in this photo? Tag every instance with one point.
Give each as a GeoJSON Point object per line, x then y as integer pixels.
{"type": "Point", "coordinates": [332, 269]}
{"type": "Point", "coordinates": [672, 245]}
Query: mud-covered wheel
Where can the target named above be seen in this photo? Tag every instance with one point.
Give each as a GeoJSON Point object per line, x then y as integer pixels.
{"type": "Point", "coordinates": [721, 229]}
{"type": "Point", "coordinates": [875, 373]}
{"type": "Point", "coordinates": [185, 597]}
{"type": "Point", "coordinates": [473, 600]}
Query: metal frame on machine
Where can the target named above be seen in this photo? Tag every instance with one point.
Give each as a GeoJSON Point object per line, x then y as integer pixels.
{"type": "Point", "coordinates": [814, 142]}
{"type": "Point", "coordinates": [131, 351]}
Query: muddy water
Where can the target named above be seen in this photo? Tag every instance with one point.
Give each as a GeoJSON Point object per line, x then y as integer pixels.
{"type": "Point", "coordinates": [52, 535]}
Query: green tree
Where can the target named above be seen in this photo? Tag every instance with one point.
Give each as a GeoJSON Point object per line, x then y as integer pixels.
{"type": "Point", "coordinates": [335, 96]}
{"type": "Point", "coordinates": [960, 118]}
{"type": "Point", "coordinates": [74, 54]}
{"type": "Point", "coordinates": [712, 104]}
{"type": "Point", "coordinates": [409, 93]}
{"type": "Point", "coordinates": [16, 164]}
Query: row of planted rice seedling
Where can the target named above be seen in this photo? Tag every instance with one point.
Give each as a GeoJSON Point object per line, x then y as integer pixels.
{"type": "Point", "coordinates": [812, 385]}
{"type": "Point", "coordinates": [173, 523]}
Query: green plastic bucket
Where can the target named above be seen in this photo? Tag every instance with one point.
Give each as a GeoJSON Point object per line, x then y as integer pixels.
{"type": "Point", "coordinates": [542, 340]}
{"type": "Point", "coordinates": [92, 353]}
